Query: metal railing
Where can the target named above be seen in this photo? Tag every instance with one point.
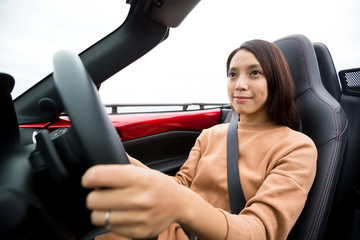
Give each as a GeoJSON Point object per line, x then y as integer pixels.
{"type": "Point", "coordinates": [127, 108]}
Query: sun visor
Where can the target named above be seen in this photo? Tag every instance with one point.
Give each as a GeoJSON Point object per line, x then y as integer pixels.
{"type": "Point", "coordinates": [171, 13]}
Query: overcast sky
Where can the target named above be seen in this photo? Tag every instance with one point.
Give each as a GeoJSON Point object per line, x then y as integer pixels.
{"type": "Point", "coordinates": [190, 65]}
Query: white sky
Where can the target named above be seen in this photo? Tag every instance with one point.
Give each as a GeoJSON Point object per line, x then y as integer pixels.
{"type": "Point", "coordinates": [190, 65]}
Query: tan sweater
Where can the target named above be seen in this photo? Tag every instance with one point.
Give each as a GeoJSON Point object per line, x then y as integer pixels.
{"type": "Point", "coordinates": [277, 167]}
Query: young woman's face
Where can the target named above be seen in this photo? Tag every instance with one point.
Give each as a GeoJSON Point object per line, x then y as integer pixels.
{"type": "Point", "coordinates": [247, 87]}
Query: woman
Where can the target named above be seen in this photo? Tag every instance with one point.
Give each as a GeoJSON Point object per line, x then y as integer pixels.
{"type": "Point", "coordinates": [277, 167]}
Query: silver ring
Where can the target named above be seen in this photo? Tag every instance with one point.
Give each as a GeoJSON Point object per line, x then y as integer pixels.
{"type": "Point", "coordinates": [107, 218]}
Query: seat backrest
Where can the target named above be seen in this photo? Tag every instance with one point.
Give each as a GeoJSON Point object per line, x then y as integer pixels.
{"type": "Point", "coordinates": [323, 120]}
{"type": "Point", "coordinates": [345, 206]}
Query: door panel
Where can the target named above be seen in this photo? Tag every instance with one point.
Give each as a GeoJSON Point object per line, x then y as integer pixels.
{"type": "Point", "coordinates": [165, 152]}
{"type": "Point", "coordinates": [162, 141]}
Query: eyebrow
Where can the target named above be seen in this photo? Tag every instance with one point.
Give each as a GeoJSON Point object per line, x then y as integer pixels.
{"type": "Point", "coordinates": [254, 66]}
{"type": "Point", "coordinates": [233, 68]}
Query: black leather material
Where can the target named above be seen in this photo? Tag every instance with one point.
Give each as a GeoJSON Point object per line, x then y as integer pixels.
{"type": "Point", "coordinates": [327, 69]}
{"type": "Point", "coordinates": [346, 201]}
{"type": "Point", "coordinates": [323, 120]}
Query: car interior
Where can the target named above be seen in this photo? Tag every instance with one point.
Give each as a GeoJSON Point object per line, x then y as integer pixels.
{"type": "Point", "coordinates": [40, 192]}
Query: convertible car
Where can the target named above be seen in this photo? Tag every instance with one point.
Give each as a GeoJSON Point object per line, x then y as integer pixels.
{"type": "Point", "coordinates": [59, 127]}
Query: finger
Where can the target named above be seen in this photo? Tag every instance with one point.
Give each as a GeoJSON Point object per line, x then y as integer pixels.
{"type": "Point", "coordinates": [113, 217]}
{"type": "Point", "coordinates": [98, 218]}
{"type": "Point", "coordinates": [111, 176]}
{"type": "Point", "coordinates": [127, 224]}
{"type": "Point", "coordinates": [117, 199]}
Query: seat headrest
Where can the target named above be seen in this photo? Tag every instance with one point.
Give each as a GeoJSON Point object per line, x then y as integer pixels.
{"type": "Point", "coordinates": [301, 57]}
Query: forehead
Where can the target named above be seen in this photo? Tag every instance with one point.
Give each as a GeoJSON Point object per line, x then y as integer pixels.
{"type": "Point", "coordinates": [244, 58]}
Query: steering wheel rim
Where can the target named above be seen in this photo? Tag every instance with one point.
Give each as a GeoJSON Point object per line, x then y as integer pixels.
{"type": "Point", "coordinates": [90, 123]}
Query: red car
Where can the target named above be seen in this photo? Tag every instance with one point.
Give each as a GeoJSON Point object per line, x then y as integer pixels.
{"type": "Point", "coordinates": [60, 127]}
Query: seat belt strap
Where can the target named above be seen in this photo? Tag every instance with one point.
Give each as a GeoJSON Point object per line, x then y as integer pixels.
{"type": "Point", "coordinates": [189, 235]}
{"type": "Point", "coordinates": [236, 195]}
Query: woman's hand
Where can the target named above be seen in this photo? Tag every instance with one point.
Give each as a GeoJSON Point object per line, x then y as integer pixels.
{"type": "Point", "coordinates": [142, 202]}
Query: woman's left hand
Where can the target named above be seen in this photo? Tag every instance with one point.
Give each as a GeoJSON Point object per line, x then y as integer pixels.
{"type": "Point", "coordinates": [138, 202]}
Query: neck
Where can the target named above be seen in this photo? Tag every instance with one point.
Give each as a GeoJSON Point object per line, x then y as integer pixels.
{"type": "Point", "coordinates": [249, 119]}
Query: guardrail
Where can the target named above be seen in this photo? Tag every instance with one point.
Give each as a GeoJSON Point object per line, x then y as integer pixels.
{"type": "Point", "coordinates": [127, 108]}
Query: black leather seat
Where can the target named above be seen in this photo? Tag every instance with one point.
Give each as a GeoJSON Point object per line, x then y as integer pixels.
{"type": "Point", "coordinates": [324, 120]}
{"type": "Point", "coordinates": [344, 218]}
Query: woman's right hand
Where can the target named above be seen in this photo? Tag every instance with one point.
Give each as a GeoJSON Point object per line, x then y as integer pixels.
{"type": "Point", "coordinates": [142, 202]}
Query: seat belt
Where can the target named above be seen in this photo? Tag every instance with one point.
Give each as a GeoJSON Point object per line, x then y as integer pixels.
{"type": "Point", "coordinates": [236, 195]}
{"type": "Point", "coordinates": [189, 235]}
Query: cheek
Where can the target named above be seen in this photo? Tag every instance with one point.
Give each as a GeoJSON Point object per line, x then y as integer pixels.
{"type": "Point", "coordinates": [230, 90]}
{"type": "Point", "coordinates": [229, 87]}
{"type": "Point", "coordinates": [265, 92]}
{"type": "Point", "coordinates": [265, 95]}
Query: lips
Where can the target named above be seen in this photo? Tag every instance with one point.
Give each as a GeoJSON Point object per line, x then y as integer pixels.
{"type": "Point", "coordinates": [241, 98]}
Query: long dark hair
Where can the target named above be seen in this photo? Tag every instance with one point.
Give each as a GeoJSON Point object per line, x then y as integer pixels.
{"type": "Point", "coordinates": [280, 103]}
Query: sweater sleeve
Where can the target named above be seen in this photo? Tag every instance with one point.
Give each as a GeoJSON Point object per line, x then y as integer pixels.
{"type": "Point", "coordinates": [274, 209]}
{"type": "Point", "coordinates": [188, 171]}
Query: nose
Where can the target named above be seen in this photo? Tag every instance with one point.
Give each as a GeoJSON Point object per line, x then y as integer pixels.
{"type": "Point", "coordinates": [241, 84]}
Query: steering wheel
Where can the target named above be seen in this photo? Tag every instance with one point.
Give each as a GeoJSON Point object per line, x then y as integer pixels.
{"type": "Point", "coordinates": [40, 192]}
{"type": "Point", "coordinates": [91, 127]}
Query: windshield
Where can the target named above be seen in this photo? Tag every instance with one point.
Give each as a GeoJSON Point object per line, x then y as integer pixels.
{"type": "Point", "coordinates": [189, 66]}
{"type": "Point", "coordinates": [32, 31]}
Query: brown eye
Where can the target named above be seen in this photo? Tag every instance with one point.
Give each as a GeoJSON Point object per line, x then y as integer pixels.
{"type": "Point", "coordinates": [231, 75]}
{"type": "Point", "coordinates": [256, 72]}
